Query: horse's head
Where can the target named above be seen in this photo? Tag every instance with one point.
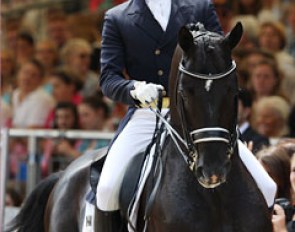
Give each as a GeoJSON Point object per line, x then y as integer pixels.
{"type": "Point", "coordinates": [206, 99]}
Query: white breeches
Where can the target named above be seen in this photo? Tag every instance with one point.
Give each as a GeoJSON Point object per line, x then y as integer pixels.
{"type": "Point", "coordinates": [134, 138]}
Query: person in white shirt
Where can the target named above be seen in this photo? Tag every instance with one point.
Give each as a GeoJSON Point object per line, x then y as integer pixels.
{"type": "Point", "coordinates": [254, 140]}
{"type": "Point", "coordinates": [30, 103]}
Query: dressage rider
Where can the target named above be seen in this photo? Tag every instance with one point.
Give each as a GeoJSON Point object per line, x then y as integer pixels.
{"type": "Point", "coordinates": [139, 38]}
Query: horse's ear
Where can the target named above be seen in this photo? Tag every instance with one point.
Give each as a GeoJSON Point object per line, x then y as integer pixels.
{"type": "Point", "coordinates": [185, 39]}
{"type": "Point", "coordinates": [234, 37]}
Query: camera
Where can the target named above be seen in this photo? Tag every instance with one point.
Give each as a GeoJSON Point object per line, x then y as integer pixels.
{"type": "Point", "coordinates": [287, 206]}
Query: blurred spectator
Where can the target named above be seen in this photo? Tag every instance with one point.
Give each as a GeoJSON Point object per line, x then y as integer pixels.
{"type": "Point", "coordinates": [292, 176]}
{"type": "Point", "coordinates": [65, 88]}
{"type": "Point", "coordinates": [265, 80]}
{"type": "Point", "coordinates": [25, 48]}
{"type": "Point", "coordinates": [239, 55]}
{"type": "Point", "coordinates": [272, 10]}
{"type": "Point", "coordinates": [288, 144]}
{"type": "Point", "coordinates": [31, 104]}
{"type": "Point", "coordinates": [289, 82]}
{"type": "Point", "coordinates": [250, 59]}
{"type": "Point", "coordinates": [7, 75]}
{"type": "Point", "coordinates": [102, 5]}
{"type": "Point", "coordinates": [248, 134]}
{"type": "Point", "coordinates": [291, 29]}
{"type": "Point", "coordinates": [76, 56]}
{"type": "Point", "coordinates": [5, 114]}
{"type": "Point", "coordinates": [276, 162]}
{"type": "Point", "coordinates": [255, 56]}
{"type": "Point", "coordinates": [57, 27]}
{"type": "Point", "coordinates": [246, 7]}
{"type": "Point", "coordinates": [13, 198]}
{"type": "Point", "coordinates": [82, 26]}
{"type": "Point", "coordinates": [271, 117]}
{"type": "Point", "coordinates": [47, 55]}
{"type": "Point", "coordinates": [93, 114]}
{"type": "Point", "coordinates": [272, 37]}
{"type": "Point", "coordinates": [224, 12]}
{"type": "Point", "coordinates": [250, 24]}
{"type": "Point", "coordinates": [66, 85]}
{"type": "Point", "coordinates": [279, 219]}
{"type": "Point", "coordinates": [65, 118]}
{"type": "Point", "coordinates": [34, 20]}
{"type": "Point", "coordinates": [74, 6]}
{"type": "Point", "coordinates": [118, 112]}
{"type": "Point", "coordinates": [88, 27]}
{"type": "Point", "coordinates": [12, 27]}
{"type": "Point", "coordinates": [96, 45]}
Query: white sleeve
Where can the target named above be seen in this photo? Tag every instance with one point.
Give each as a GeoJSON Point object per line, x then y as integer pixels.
{"type": "Point", "coordinates": [40, 111]}
{"type": "Point", "coordinates": [264, 182]}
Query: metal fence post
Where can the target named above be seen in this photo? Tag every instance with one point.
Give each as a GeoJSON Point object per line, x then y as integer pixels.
{"type": "Point", "coordinates": [3, 173]}
{"type": "Point", "coordinates": [32, 165]}
{"type": "Point", "coordinates": [33, 168]}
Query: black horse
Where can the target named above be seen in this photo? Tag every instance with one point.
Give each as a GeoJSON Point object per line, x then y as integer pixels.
{"type": "Point", "coordinates": [204, 186]}
{"type": "Point", "coordinates": [199, 183]}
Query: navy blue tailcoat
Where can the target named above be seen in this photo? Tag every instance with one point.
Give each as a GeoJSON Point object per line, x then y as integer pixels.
{"type": "Point", "coordinates": [134, 46]}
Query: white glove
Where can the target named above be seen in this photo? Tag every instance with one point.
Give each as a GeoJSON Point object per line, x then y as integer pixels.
{"type": "Point", "coordinates": [145, 93]}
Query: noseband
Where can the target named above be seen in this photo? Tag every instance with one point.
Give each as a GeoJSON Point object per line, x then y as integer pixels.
{"type": "Point", "coordinates": [208, 134]}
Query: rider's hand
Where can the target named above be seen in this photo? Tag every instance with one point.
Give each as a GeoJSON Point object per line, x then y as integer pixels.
{"type": "Point", "coordinates": [279, 219]}
{"type": "Point", "coordinates": [145, 93]}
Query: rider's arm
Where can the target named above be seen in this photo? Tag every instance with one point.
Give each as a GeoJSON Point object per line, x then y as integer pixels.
{"type": "Point", "coordinates": [112, 82]}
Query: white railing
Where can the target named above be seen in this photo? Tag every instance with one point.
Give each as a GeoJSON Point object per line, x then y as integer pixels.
{"type": "Point", "coordinates": [32, 167]}
{"type": "Point", "coordinates": [3, 171]}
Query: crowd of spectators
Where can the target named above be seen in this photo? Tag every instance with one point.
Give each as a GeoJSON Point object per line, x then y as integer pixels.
{"type": "Point", "coordinates": [50, 79]}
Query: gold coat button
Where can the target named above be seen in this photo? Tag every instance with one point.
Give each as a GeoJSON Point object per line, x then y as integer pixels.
{"type": "Point", "coordinates": [160, 72]}
{"type": "Point", "coordinates": [157, 52]}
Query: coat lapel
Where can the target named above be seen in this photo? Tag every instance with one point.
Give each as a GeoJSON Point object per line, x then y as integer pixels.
{"type": "Point", "coordinates": [140, 14]}
{"type": "Point", "coordinates": [142, 17]}
{"type": "Point", "coordinates": [178, 18]}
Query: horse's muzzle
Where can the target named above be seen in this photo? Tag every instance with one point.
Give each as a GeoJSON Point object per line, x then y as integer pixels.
{"type": "Point", "coordinates": [211, 180]}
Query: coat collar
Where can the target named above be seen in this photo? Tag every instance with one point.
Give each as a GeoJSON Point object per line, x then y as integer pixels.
{"type": "Point", "coordinates": [138, 6]}
{"type": "Point", "coordinates": [143, 18]}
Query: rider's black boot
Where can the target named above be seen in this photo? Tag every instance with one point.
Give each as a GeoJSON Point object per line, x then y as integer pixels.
{"type": "Point", "coordinates": [109, 221]}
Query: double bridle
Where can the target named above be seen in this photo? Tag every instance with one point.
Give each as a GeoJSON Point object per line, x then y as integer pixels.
{"type": "Point", "coordinates": [208, 134]}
